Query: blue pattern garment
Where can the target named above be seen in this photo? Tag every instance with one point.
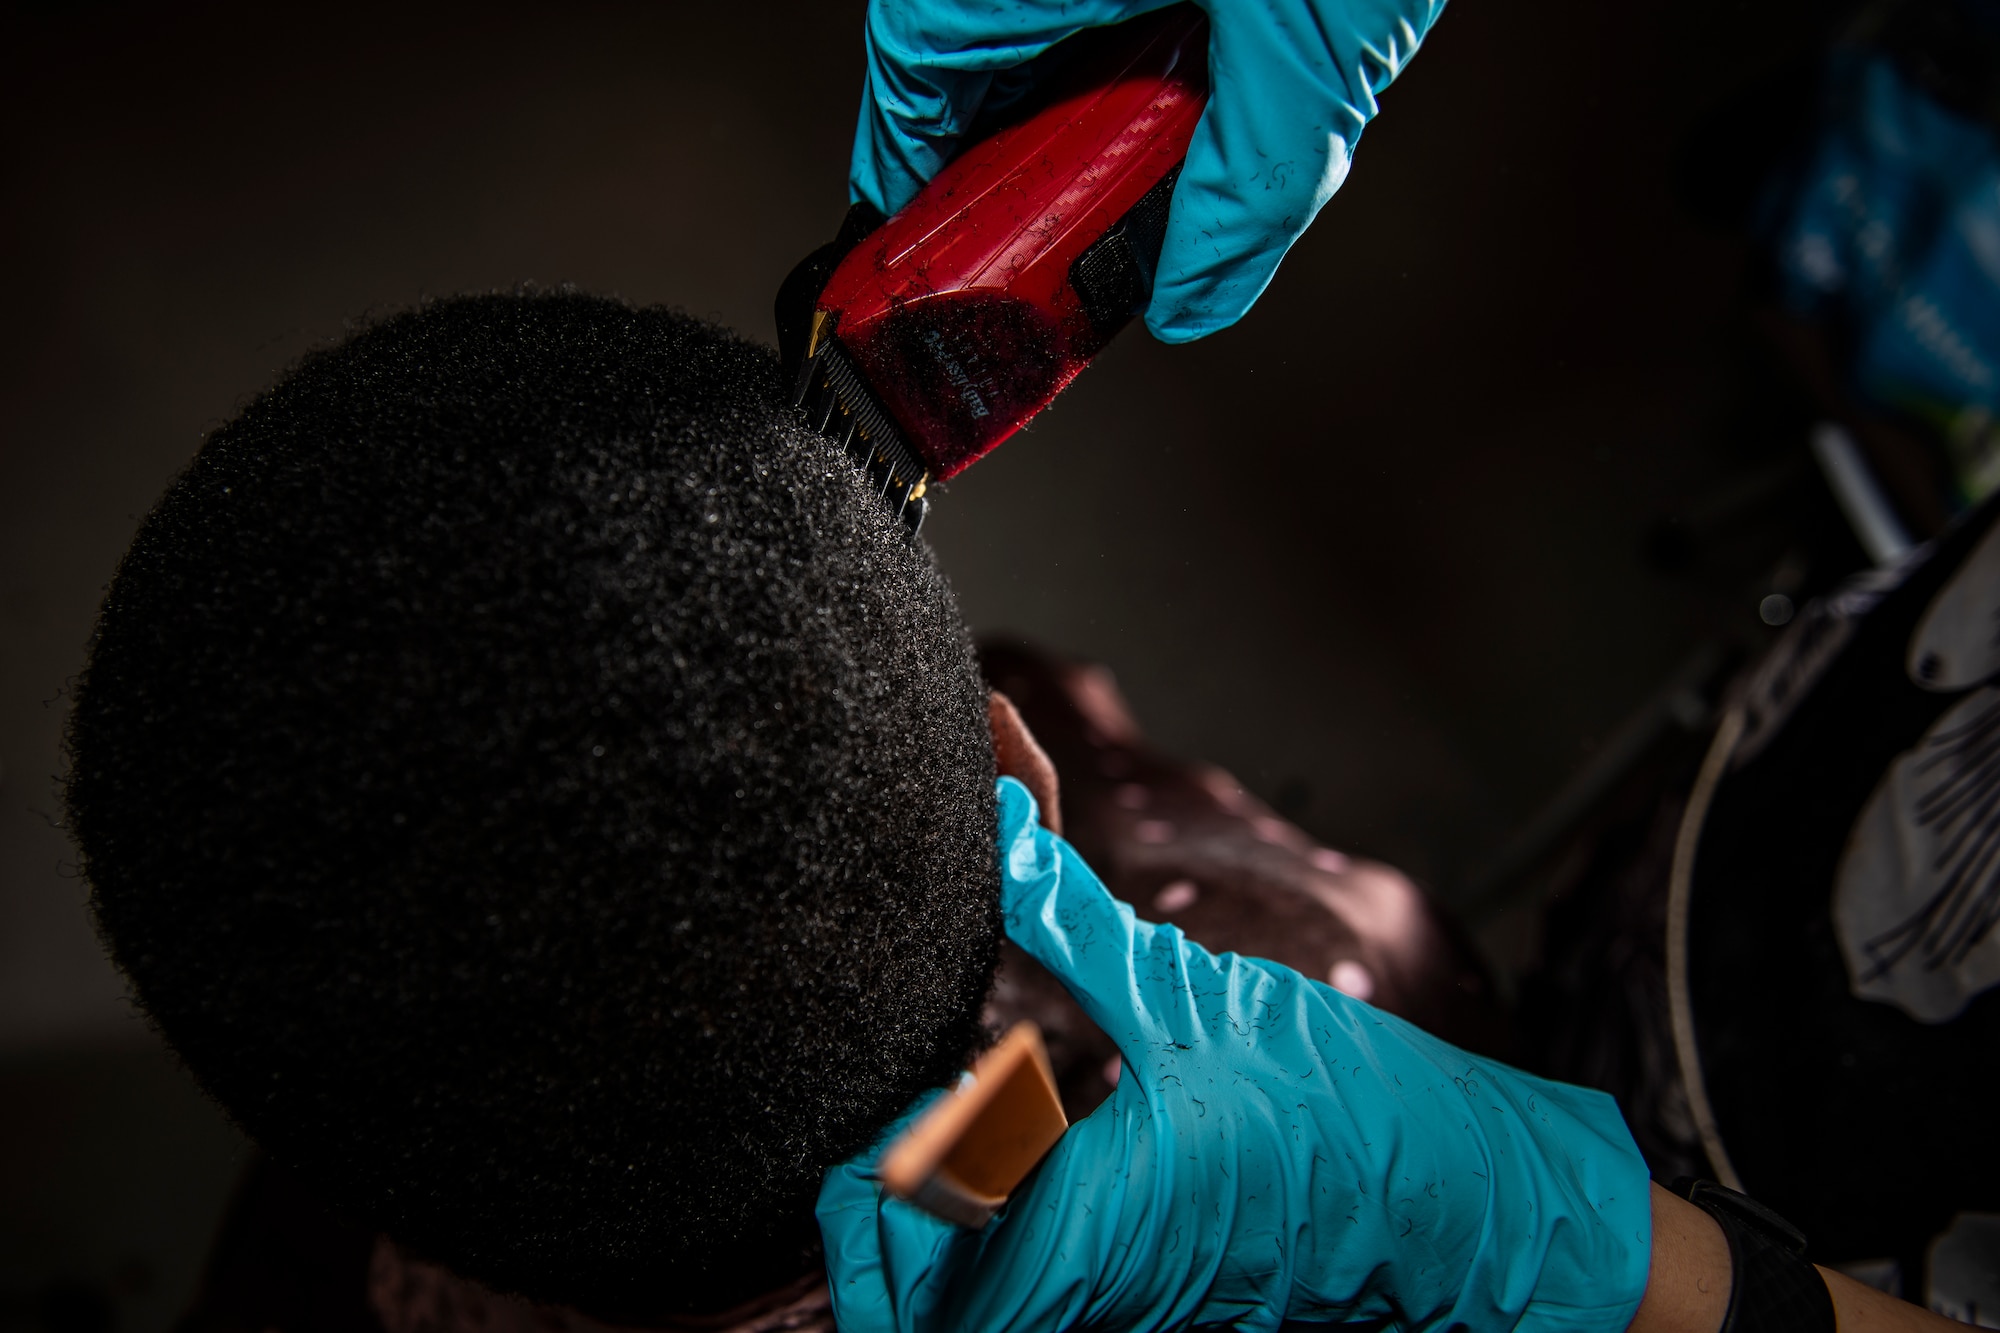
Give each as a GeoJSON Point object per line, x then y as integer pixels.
{"type": "Point", "coordinates": [1890, 231]}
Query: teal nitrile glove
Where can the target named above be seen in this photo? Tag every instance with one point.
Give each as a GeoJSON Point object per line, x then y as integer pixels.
{"type": "Point", "coordinates": [1274, 1151]}
{"type": "Point", "coordinates": [1293, 82]}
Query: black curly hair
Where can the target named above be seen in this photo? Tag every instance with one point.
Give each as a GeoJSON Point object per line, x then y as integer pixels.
{"type": "Point", "coordinates": [544, 797]}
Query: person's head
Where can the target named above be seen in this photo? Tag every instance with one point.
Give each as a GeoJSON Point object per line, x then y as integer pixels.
{"type": "Point", "coordinates": [544, 797]}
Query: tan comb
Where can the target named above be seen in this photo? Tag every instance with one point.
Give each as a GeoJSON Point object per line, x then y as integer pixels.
{"type": "Point", "coordinates": [965, 1155]}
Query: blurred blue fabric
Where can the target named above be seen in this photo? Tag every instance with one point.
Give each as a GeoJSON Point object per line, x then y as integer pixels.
{"type": "Point", "coordinates": [1890, 231]}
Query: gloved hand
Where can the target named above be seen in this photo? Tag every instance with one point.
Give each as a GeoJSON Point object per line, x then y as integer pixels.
{"type": "Point", "coordinates": [1293, 82]}
{"type": "Point", "coordinates": [1274, 1151]}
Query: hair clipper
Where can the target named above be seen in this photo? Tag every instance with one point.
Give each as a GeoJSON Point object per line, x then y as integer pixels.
{"type": "Point", "coordinates": [923, 341]}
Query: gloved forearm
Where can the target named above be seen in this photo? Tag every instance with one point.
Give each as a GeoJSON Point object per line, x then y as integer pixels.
{"type": "Point", "coordinates": [1294, 82]}
{"type": "Point", "coordinates": [1275, 1150]}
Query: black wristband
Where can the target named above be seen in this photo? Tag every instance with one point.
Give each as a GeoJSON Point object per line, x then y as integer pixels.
{"type": "Point", "coordinates": [1772, 1288]}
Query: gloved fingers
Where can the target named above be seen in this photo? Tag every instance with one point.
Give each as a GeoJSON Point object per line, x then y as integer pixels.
{"type": "Point", "coordinates": [909, 127]}
{"type": "Point", "coordinates": [893, 1268]}
{"type": "Point", "coordinates": [934, 64]}
{"type": "Point", "coordinates": [1008, 87]}
{"type": "Point", "coordinates": [1292, 85]}
{"type": "Point", "coordinates": [1079, 1240]}
{"type": "Point", "coordinates": [887, 1256]}
{"type": "Point", "coordinates": [1129, 976]}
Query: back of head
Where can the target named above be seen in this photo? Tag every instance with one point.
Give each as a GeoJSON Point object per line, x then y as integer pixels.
{"type": "Point", "coordinates": [544, 797]}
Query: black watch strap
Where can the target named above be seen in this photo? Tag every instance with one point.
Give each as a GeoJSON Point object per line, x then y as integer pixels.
{"type": "Point", "coordinates": [1772, 1288]}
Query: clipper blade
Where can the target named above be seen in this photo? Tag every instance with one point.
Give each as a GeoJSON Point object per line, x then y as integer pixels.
{"type": "Point", "coordinates": [836, 403]}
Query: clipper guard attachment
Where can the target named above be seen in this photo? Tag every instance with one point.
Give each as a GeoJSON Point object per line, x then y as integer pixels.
{"type": "Point", "coordinates": [839, 406]}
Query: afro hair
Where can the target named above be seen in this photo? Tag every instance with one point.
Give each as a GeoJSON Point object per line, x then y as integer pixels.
{"type": "Point", "coordinates": [544, 796]}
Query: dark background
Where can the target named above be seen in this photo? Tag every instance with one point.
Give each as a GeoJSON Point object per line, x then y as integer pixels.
{"type": "Point", "coordinates": [1382, 550]}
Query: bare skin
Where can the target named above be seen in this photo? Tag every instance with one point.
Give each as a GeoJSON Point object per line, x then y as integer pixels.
{"type": "Point", "coordinates": [1687, 1289]}
{"type": "Point", "coordinates": [1862, 1309]}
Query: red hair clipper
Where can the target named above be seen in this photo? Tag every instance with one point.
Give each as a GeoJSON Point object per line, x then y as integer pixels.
{"type": "Point", "coordinates": [922, 342]}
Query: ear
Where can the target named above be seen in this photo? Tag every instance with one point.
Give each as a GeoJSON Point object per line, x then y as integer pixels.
{"type": "Point", "coordinates": [1022, 758]}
